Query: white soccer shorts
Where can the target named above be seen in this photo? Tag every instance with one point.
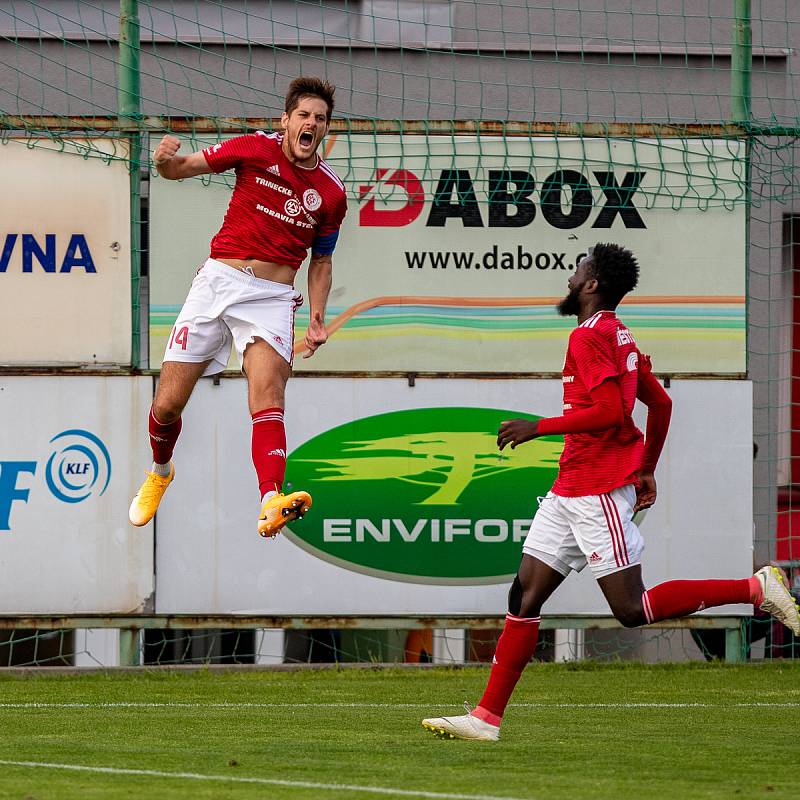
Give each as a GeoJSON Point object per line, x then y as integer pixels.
{"type": "Point", "coordinates": [568, 532]}
{"type": "Point", "coordinates": [227, 306]}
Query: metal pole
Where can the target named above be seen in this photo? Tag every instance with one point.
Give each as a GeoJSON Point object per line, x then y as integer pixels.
{"type": "Point", "coordinates": [735, 644]}
{"type": "Point", "coordinates": [130, 651]}
{"type": "Point", "coordinates": [741, 62]}
{"type": "Point", "coordinates": [129, 115]}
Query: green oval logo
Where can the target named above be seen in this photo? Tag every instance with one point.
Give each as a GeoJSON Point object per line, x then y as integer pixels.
{"type": "Point", "coordinates": [422, 495]}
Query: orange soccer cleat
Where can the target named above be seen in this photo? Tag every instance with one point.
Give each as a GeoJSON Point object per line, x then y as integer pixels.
{"type": "Point", "coordinates": [278, 509]}
{"type": "Point", "coordinates": [145, 504]}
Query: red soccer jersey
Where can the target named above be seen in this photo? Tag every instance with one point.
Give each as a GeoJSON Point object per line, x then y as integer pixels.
{"type": "Point", "coordinates": [278, 209]}
{"type": "Point", "coordinates": [600, 349]}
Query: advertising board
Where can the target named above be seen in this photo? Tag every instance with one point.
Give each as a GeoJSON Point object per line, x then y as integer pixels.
{"type": "Point", "coordinates": [455, 249]}
{"type": "Point", "coordinates": [415, 511]}
{"type": "Point", "coordinates": [72, 449]}
{"type": "Point", "coordinates": [65, 256]}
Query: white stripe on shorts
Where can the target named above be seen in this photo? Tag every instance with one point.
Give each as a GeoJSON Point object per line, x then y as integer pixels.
{"type": "Point", "coordinates": [615, 529]}
{"type": "Point", "coordinates": [648, 609]}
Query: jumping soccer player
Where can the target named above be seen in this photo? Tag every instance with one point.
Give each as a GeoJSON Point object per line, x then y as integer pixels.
{"type": "Point", "coordinates": [286, 200]}
{"type": "Point", "coordinates": [605, 475]}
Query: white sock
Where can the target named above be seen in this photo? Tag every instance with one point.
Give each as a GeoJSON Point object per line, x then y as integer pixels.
{"type": "Point", "coordinates": [161, 469]}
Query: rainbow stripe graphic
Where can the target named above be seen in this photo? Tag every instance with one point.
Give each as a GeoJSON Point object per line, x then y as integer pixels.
{"type": "Point", "coordinates": [713, 327]}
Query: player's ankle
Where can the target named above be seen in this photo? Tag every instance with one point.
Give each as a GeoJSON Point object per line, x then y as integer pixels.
{"type": "Point", "coordinates": [484, 715]}
{"type": "Point", "coordinates": [756, 591]}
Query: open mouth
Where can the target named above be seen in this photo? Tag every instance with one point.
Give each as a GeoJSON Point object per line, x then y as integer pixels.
{"type": "Point", "coordinates": [306, 139]}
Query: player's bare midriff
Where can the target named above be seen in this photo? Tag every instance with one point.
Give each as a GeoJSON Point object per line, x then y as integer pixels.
{"type": "Point", "coordinates": [266, 270]}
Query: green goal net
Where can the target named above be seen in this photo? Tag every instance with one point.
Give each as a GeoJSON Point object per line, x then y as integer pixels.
{"type": "Point", "coordinates": [665, 124]}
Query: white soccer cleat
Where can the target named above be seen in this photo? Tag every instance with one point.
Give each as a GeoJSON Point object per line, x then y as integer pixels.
{"type": "Point", "coordinates": [778, 601]}
{"type": "Point", "coordinates": [464, 727]}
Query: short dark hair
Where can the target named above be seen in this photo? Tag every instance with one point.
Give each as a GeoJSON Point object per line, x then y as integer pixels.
{"type": "Point", "coordinates": [615, 269]}
{"type": "Point", "coordinates": [309, 86]}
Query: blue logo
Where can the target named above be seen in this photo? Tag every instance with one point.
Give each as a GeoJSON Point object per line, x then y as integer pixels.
{"type": "Point", "coordinates": [76, 255]}
{"type": "Point", "coordinates": [10, 472]}
{"type": "Point", "coordinates": [79, 466]}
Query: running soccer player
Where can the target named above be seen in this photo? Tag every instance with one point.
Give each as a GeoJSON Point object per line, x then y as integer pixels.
{"type": "Point", "coordinates": [286, 200]}
{"type": "Point", "coordinates": [606, 474]}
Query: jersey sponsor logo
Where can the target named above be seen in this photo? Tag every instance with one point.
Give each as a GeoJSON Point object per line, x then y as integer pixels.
{"type": "Point", "coordinates": [276, 186]}
{"type": "Point", "coordinates": [274, 169]}
{"type": "Point", "coordinates": [624, 336]}
{"type": "Point", "coordinates": [283, 217]}
{"type": "Point", "coordinates": [312, 199]}
{"type": "Point", "coordinates": [632, 362]}
{"type": "Point", "coordinates": [567, 379]}
{"type": "Point", "coordinates": [567, 406]}
{"type": "Point", "coordinates": [292, 207]}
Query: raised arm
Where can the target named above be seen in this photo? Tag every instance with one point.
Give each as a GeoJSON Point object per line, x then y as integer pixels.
{"type": "Point", "coordinates": [174, 167]}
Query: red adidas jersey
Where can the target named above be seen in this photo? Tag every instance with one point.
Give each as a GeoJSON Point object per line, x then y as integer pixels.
{"type": "Point", "coordinates": [278, 209]}
{"type": "Point", "coordinates": [600, 349]}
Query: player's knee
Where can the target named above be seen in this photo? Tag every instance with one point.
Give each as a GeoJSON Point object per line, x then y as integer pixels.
{"type": "Point", "coordinates": [266, 375]}
{"type": "Point", "coordinates": [266, 397]}
{"type": "Point", "coordinates": [166, 412]}
{"type": "Point", "coordinates": [515, 597]}
{"type": "Point", "coordinates": [523, 601]}
{"type": "Point", "coordinates": [630, 614]}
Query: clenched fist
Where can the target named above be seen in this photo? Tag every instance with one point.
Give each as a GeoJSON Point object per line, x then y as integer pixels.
{"type": "Point", "coordinates": [166, 149]}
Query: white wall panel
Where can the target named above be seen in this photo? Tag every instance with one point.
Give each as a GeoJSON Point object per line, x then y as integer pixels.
{"type": "Point", "coordinates": [65, 256]}
{"type": "Point", "coordinates": [72, 451]}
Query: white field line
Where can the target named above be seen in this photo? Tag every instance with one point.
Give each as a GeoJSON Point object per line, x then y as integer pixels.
{"type": "Point", "coordinates": [390, 705]}
{"type": "Point", "coordinates": [193, 776]}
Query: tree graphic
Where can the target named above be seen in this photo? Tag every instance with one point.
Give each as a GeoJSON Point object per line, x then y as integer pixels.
{"type": "Point", "coordinates": [447, 461]}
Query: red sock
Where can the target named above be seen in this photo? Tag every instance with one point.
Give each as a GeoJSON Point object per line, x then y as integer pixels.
{"type": "Point", "coordinates": [163, 437]}
{"type": "Point", "coordinates": [679, 598]}
{"type": "Point", "coordinates": [269, 449]}
{"type": "Point", "coordinates": [514, 650]}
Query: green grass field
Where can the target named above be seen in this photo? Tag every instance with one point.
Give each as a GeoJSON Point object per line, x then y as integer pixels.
{"type": "Point", "coordinates": [582, 731]}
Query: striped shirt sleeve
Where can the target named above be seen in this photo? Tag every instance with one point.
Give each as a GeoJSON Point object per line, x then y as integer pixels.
{"type": "Point", "coordinates": [229, 154]}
